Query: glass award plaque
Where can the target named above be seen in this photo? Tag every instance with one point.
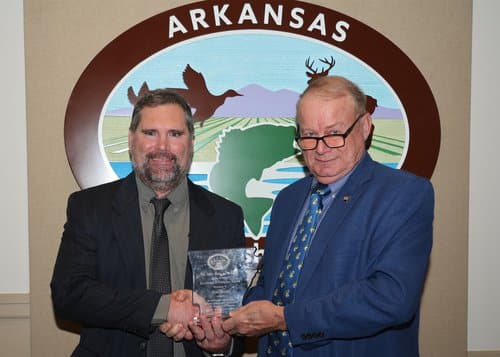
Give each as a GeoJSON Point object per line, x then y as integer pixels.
{"type": "Point", "coordinates": [221, 277]}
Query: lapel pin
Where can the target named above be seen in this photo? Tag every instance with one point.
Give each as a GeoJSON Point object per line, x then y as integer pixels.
{"type": "Point", "coordinates": [346, 198]}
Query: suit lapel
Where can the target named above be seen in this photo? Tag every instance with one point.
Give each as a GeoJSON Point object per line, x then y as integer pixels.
{"type": "Point", "coordinates": [334, 218]}
{"type": "Point", "coordinates": [283, 229]}
{"type": "Point", "coordinates": [127, 228]}
{"type": "Point", "coordinates": [201, 225]}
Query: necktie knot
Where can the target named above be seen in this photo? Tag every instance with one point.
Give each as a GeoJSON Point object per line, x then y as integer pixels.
{"type": "Point", "coordinates": [321, 190]}
{"type": "Point", "coordinates": [161, 205]}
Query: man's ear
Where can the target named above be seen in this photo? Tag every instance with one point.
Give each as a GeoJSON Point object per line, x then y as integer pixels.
{"type": "Point", "coordinates": [367, 126]}
{"type": "Point", "coordinates": [368, 129]}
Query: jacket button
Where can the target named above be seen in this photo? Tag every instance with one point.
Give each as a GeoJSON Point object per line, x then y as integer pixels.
{"type": "Point", "coordinates": [142, 346]}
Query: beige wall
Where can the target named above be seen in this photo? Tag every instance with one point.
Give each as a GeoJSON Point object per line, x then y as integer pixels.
{"type": "Point", "coordinates": [63, 36]}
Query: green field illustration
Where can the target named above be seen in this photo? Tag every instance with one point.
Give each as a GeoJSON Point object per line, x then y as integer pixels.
{"type": "Point", "coordinates": [387, 147]}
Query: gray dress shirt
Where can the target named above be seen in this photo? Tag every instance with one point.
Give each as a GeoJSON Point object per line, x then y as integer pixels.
{"type": "Point", "coordinates": [176, 221]}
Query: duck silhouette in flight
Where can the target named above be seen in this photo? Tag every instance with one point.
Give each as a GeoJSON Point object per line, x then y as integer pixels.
{"type": "Point", "coordinates": [196, 94]}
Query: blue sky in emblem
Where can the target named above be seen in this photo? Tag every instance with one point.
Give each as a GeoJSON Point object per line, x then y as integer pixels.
{"type": "Point", "coordinates": [234, 60]}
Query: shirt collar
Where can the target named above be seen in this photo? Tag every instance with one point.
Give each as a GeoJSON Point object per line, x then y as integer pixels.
{"type": "Point", "coordinates": [337, 185]}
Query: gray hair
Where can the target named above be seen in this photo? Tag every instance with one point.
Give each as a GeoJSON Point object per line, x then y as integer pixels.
{"type": "Point", "coordinates": [158, 97]}
{"type": "Point", "coordinates": [332, 87]}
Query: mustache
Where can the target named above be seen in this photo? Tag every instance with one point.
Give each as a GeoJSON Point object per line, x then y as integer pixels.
{"type": "Point", "coordinates": [161, 154]}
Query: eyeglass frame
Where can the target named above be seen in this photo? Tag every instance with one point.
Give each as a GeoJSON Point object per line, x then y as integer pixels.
{"type": "Point", "coordinates": [322, 138]}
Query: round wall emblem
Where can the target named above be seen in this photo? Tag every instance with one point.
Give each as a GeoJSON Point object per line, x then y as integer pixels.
{"type": "Point", "coordinates": [242, 66]}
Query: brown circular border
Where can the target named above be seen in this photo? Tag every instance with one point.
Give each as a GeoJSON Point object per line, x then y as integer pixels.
{"type": "Point", "coordinates": [150, 36]}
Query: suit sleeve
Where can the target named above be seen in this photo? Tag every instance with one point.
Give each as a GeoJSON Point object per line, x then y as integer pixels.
{"type": "Point", "coordinates": [238, 231]}
{"type": "Point", "coordinates": [78, 294]}
{"type": "Point", "coordinates": [385, 290]}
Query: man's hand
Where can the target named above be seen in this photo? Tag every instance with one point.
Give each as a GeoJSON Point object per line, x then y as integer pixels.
{"type": "Point", "coordinates": [181, 309]}
{"type": "Point", "coordinates": [255, 319]}
{"type": "Point", "coordinates": [209, 334]}
{"type": "Point", "coordinates": [180, 313]}
{"type": "Point", "coordinates": [177, 331]}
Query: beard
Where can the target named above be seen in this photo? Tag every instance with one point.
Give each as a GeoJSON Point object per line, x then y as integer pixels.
{"type": "Point", "coordinates": [161, 179]}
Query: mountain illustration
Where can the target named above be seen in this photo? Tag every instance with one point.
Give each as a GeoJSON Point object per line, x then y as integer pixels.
{"type": "Point", "coordinates": [257, 101]}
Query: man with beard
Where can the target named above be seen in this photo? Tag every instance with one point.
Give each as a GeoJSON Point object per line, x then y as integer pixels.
{"type": "Point", "coordinates": [104, 276]}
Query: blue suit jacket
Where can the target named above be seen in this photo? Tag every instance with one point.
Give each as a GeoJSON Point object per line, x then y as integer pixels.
{"type": "Point", "coordinates": [99, 277]}
{"type": "Point", "coordinates": [360, 288]}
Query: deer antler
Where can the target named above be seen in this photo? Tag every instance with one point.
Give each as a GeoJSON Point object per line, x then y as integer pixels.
{"type": "Point", "coordinates": [314, 72]}
{"type": "Point", "coordinates": [330, 64]}
{"type": "Point", "coordinates": [310, 67]}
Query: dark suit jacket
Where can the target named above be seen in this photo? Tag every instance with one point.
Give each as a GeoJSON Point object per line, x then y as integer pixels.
{"type": "Point", "coordinates": [360, 288]}
{"type": "Point", "coordinates": [99, 276]}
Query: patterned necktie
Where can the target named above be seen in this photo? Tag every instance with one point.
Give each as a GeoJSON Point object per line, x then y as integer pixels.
{"type": "Point", "coordinates": [284, 293]}
{"type": "Point", "coordinates": [159, 275]}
